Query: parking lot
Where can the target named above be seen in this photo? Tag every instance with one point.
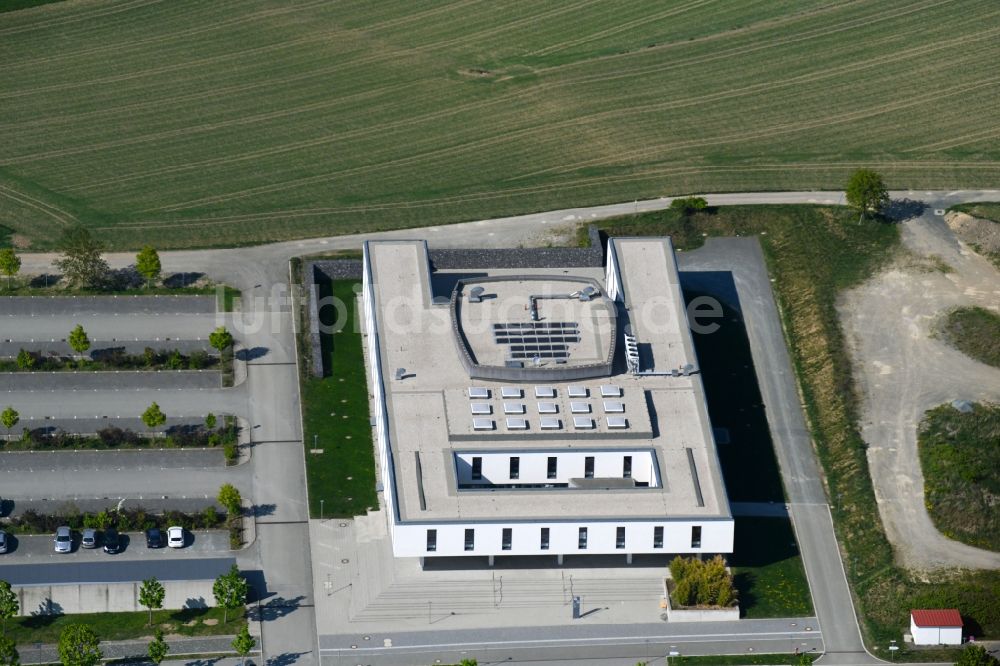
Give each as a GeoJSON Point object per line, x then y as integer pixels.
{"type": "Point", "coordinates": [84, 402]}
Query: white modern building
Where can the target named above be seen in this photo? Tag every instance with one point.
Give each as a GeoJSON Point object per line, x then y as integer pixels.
{"type": "Point", "coordinates": [939, 626]}
{"type": "Point", "coordinates": [540, 412]}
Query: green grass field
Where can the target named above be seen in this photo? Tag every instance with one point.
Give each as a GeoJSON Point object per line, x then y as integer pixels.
{"type": "Point", "coordinates": [985, 210]}
{"type": "Point", "coordinates": [975, 331]}
{"type": "Point", "coordinates": [960, 459]}
{"type": "Point", "coordinates": [190, 123]}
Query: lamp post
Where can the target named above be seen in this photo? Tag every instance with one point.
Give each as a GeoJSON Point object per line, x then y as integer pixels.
{"type": "Point", "coordinates": [321, 509]}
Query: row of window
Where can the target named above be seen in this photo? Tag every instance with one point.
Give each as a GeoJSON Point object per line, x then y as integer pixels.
{"type": "Point", "coordinates": [507, 538]}
{"type": "Point", "coordinates": [552, 471]}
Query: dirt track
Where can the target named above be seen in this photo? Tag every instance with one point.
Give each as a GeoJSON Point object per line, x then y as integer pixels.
{"type": "Point", "coordinates": [902, 370]}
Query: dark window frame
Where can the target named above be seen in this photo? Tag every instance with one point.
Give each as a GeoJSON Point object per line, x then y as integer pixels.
{"type": "Point", "coordinates": [477, 468]}
{"type": "Point", "coordinates": [696, 536]}
{"type": "Point", "coordinates": [543, 542]}
{"type": "Point", "coordinates": [515, 467]}
{"type": "Point", "coordinates": [470, 539]}
{"type": "Point", "coordinates": [588, 467]}
{"type": "Point", "coordinates": [552, 472]}
{"type": "Point", "coordinates": [507, 538]}
{"type": "Point", "coordinates": [620, 537]}
{"type": "Point", "coordinates": [627, 467]}
{"type": "Point", "coordinates": [432, 540]}
{"type": "Point", "coordinates": [581, 538]}
{"type": "Point", "coordinates": [658, 536]}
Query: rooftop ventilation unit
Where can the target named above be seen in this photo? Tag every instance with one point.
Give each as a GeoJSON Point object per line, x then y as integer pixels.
{"type": "Point", "coordinates": [611, 391]}
{"type": "Point", "coordinates": [545, 392]}
{"type": "Point", "coordinates": [631, 352]}
{"type": "Point", "coordinates": [479, 393]}
{"type": "Point", "coordinates": [614, 407]}
{"type": "Point", "coordinates": [548, 408]}
{"type": "Point", "coordinates": [583, 423]}
{"type": "Point", "coordinates": [551, 423]}
{"type": "Point", "coordinates": [511, 392]}
{"type": "Point", "coordinates": [514, 423]}
{"type": "Point", "coordinates": [617, 422]}
{"type": "Point", "coordinates": [476, 294]}
{"type": "Point", "coordinates": [579, 407]}
{"type": "Point", "coordinates": [482, 424]}
{"type": "Point", "coordinates": [480, 408]}
{"type": "Point", "coordinates": [513, 408]}
{"type": "Point", "coordinates": [578, 392]}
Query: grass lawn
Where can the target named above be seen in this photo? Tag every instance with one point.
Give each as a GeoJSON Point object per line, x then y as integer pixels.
{"type": "Point", "coordinates": [239, 123]}
{"type": "Point", "coordinates": [974, 331]}
{"type": "Point", "coordinates": [767, 569]}
{"type": "Point", "coordinates": [984, 210]}
{"type": "Point", "coordinates": [960, 459]}
{"type": "Point", "coordinates": [814, 252]}
{"type": "Point", "coordinates": [335, 412]}
{"type": "Point", "coordinates": [125, 626]}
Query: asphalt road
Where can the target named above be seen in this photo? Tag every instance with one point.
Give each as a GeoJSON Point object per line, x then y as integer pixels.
{"type": "Point", "coordinates": [161, 328]}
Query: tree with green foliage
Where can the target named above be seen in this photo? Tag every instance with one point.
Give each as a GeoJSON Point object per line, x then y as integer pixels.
{"type": "Point", "coordinates": [866, 191]}
{"type": "Point", "coordinates": [153, 417]}
{"type": "Point", "coordinates": [9, 605]}
{"type": "Point", "coordinates": [147, 262]}
{"type": "Point", "coordinates": [220, 339]}
{"type": "Point", "coordinates": [243, 643]}
{"type": "Point", "coordinates": [976, 655]}
{"type": "Point", "coordinates": [468, 662]}
{"type": "Point", "coordinates": [9, 655]}
{"type": "Point", "coordinates": [210, 421]}
{"type": "Point", "coordinates": [9, 418]}
{"type": "Point", "coordinates": [230, 590]}
{"type": "Point", "coordinates": [158, 648]}
{"type": "Point", "coordinates": [10, 263]}
{"type": "Point", "coordinates": [151, 594]}
{"type": "Point", "coordinates": [229, 497]}
{"type": "Point", "coordinates": [25, 360]}
{"type": "Point", "coordinates": [805, 659]}
{"type": "Point", "coordinates": [81, 261]}
{"type": "Point", "coordinates": [78, 339]}
{"type": "Point", "coordinates": [688, 205]}
{"type": "Point", "coordinates": [79, 646]}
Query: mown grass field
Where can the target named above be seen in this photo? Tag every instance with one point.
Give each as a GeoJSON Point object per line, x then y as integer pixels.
{"type": "Point", "coordinates": [975, 331]}
{"type": "Point", "coordinates": [960, 459]}
{"type": "Point", "coordinates": [189, 123]}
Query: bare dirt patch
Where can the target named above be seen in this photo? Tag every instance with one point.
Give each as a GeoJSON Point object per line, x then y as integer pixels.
{"type": "Point", "coordinates": [981, 235]}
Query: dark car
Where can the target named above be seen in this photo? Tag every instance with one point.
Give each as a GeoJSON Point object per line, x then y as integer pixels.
{"type": "Point", "coordinates": [154, 538]}
{"type": "Point", "coordinates": [3, 542]}
{"type": "Point", "coordinates": [112, 542]}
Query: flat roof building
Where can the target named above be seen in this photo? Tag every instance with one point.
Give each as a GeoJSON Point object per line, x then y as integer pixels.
{"type": "Point", "coordinates": [544, 411]}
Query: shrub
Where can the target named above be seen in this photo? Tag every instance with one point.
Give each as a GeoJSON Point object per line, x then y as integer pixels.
{"type": "Point", "coordinates": [698, 583]}
{"type": "Point", "coordinates": [688, 205]}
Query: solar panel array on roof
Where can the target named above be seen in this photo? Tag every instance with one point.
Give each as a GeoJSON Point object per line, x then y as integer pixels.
{"type": "Point", "coordinates": [614, 406]}
{"type": "Point", "coordinates": [511, 392]}
{"type": "Point", "coordinates": [548, 408]}
{"type": "Point", "coordinates": [537, 339]}
{"type": "Point", "coordinates": [513, 408]}
{"type": "Point", "coordinates": [583, 423]}
{"type": "Point", "coordinates": [579, 407]}
{"type": "Point", "coordinates": [545, 392]}
{"type": "Point", "coordinates": [611, 391]}
{"type": "Point", "coordinates": [481, 408]}
{"type": "Point", "coordinates": [479, 392]}
{"type": "Point", "coordinates": [514, 423]}
{"type": "Point", "coordinates": [482, 424]}
{"type": "Point", "coordinates": [617, 422]}
{"type": "Point", "coordinates": [578, 392]}
{"type": "Point", "coordinates": [551, 423]}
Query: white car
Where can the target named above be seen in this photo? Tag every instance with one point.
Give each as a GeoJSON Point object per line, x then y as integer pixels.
{"type": "Point", "coordinates": [175, 537]}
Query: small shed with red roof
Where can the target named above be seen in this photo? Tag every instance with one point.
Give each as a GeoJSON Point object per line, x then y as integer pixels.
{"type": "Point", "coordinates": [936, 626]}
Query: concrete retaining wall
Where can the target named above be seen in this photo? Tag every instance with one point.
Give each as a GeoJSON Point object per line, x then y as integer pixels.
{"type": "Point", "coordinates": [108, 597]}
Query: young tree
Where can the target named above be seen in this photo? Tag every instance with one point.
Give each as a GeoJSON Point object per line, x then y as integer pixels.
{"type": "Point", "coordinates": [151, 595]}
{"type": "Point", "coordinates": [210, 421]}
{"type": "Point", "coordinates": [8, 652]}
{"type": "Point", "coordinates": [976, 655]}
{"type": "Point", "coordinates": [229, 497]}
{"type": "Point", "coordinates": [81, 260]}
{"type": "Point", "coordinates": [688, 205]}
{"type": "Point", "coordinates": [9, 605]}
{"type": "Point", "coordinates": [243, 643]}
{"type": "Point", "coordinates": [158, 648]}
{"type": "Point", "coordinates": [25, 360]}
{"type": "Point", "coordinates": [230, 590]}
{"type": "Point", "coordinates": [147, 262]}
{"type": "Point", "coordinates": [78, 339]}
{"type": "Point", "coordinates": [79, 646]}
{"type": "Point", "coordinates": [220, 339]}
{"type": "Point", "coordinates": [9, 418]}
{"type": "Point", "coordinates": [866, 191]}
{"type": "Point", "coordinates": [10, 263]}
{"type": "Point", "coordinates": [153, 417]}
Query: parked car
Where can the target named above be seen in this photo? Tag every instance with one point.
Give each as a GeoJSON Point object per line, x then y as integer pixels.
{"type": "Point", "coordinates": [154, 538]}
{"type": "Point", "coordinates": [89, 538]}
{"type": "Point", "coordinates": [112, 542]}
{"type": "Point", "coordinates": [3, 542]}
{"type": "Point", "coordinates": [175, 537]}
{"type": "Point", "coordinates": [64, 539]}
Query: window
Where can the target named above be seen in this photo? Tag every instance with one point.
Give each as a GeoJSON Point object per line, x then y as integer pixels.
{"type": "Point", "coordinates": [477, 468]}
{"type": "Point", "coordinates": [470, 539]}
{"type": "Point", "coordinates": [515, 467]}
{"type": "Point", "coordinates": [582, 543]}
{"type": "Point", "coordinates": [696, 536]}
{"type": "Point", "coordinates": [588, 467]}
{"type": "Point", "coordinates": [553, 467]}
{"type": "Point", "coordinates": [658, 536]}
{"type": "Point", "coordinates": [544, 545]}
{"type": "Point", "coordinates": [508, 538]}
{"type": "Point", "coordinates": [432, 540]}
{"type": "Point", "coordinates": [627, 467]}
{"type": "Point", "coordinates": [620, 538]}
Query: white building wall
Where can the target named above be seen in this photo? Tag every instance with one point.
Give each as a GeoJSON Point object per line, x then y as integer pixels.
{"type": "Point", "coordinates": [612, 278]}
{"type": "Point", "coordinates": [411, 539]}
{"type": "Point", "coordinates": [951, 635]}
{"type": "Point", "coordinates": [534, 466]}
